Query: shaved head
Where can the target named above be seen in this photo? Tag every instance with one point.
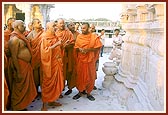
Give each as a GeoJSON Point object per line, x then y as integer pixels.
{"type": "Point", "coordinates": [16, 23]}
{"type": "Point", "coordinates": [60, 20]}
{"type": "Point", "coordinates": [19, 26]}
{"type": "Point", "coordinates": [51, 26]}
{"type": "Point", "coordinates": [92, 28]}
{"type": "Point", "coordinates": [61, 24]}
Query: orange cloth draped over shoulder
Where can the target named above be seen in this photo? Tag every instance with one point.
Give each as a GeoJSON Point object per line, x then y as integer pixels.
{"type": "Point", "coordinates": [35, 45]}
{"type": "Point", "coordinates": [65, 35]}
{"type": "Point", "coordinates": [24, 92]}
{"type": "Point", "coordinates": [7, 33]}
{"type": "Point", "coordinates": [52, 78]}
{"type": "Point", "coordinates": [6, 38]}
{"type": "Point", "coordinates": [26, 33]}
{"type": "Point", "coordinates": [71, 78]}
{"type": "Point", "coordinates": [86, 62]}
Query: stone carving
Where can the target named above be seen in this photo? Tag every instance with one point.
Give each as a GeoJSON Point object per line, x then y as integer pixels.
{"type": "Point", "coordinates": [140, 79]}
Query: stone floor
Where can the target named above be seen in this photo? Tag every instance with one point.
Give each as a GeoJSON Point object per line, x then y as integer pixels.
{"type": "Point", "coordinates": [104, 101]}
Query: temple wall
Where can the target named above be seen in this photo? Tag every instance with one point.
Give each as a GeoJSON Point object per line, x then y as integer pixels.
{"type": "Point", "coordinates": [140, 80]}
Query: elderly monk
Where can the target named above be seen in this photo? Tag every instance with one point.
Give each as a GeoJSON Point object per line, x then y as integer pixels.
{"type": "Point", "coordinates": [71, 76]}
{"type": "Point", "coordinates": [23, 89]}
{"type": "Point", "coordinates": [35, 41]}
{"type": "Point", "coordinates": [7, 33]}
{"type": "Point", "coordinates": [87, 44]}
{"type": "Point", "coordinates": [67, 39]}
{"type": "Point", "coordinates": [52, 67]}
{"type": "Point", "coordinates": [30, 26]}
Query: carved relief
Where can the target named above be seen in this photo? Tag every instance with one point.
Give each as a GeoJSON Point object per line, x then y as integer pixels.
{"type": "Point", "coordinates": [141, 74]}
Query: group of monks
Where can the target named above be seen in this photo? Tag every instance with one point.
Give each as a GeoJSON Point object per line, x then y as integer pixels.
{"type": "Point", "coordinates": [48, 58]}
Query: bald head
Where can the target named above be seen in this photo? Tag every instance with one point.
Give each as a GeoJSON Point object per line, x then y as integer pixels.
{"type": "Point", "coordinates": [19, 25]}
{"type": "Point", "coordinates": [49, 24]}
{"type": "Point", "coordinates": [16, 23]}
{"type": "Point", "coordinates": [51, 27]}
{"type": "Point", "coordinates": [60, 20]}
{"type": "Point", "coordinates": [92, 28]}
{"type": "Point", "coordinates": [60, 24]}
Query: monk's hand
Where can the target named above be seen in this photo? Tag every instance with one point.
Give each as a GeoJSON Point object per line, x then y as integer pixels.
{"type": "Point", "coordinates": [59, 42]}
{"type": "Point", "coordinates": [83, 51]}
{"type": "Point", "coordinates": [66, 43]}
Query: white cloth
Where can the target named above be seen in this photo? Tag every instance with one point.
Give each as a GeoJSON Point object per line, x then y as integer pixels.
{"type": "Point", "coordinates": [116, 50]}
{"type": "Point", "coordinates": [117, 41]}
{"type": "Point", "coordinates": [102, 39]}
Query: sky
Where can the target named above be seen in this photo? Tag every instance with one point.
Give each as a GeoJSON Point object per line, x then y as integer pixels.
{"type": "Point", "coordinates": [91, 10]}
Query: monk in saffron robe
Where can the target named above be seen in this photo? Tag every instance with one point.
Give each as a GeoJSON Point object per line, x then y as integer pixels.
{"type": "Point", "coordinates": [35, 41]}
{"type": "Point", "coordinates": [30, 26]}
{"type": "Point", "coordinates": [71, 76]}
{"type": "Point", "coordinates": [87, 44]}
{"type": "Point", "coordinates": [6, 90]}
{"type": "Point", "coordinates": [7, 33]}
{"type": "Point", "coordinates": [52, 67]}
{"type": "Point", "coordinates": [67, 39]}
{"type": "Point", "coordinates": [23, 86]}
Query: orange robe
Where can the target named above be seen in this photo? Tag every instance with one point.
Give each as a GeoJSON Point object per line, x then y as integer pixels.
{"type": "Point", "coordinates": [86, 70]}
{"type": "Point", "coordinates": [67, 52]}
{"type": "Point", "coordinates": [36, 57]}
{"type": "Point", "coordinates": [24, 92]}
{"type": "Point", "coordinates": [6, 94]}
{"type": "Point", "coordinates": [6, 90]}
{"type": "Point", "coordinates": [6, 38]}
{"type": "Point", "coordinates": [71, 76]}
{"type": "Point", "coordinates": [51, 60]}
{"type": "Point", "coordinates": [35, 45]}
{"type": "Point", "coordinates": [8, 78]}
{"type": "Point", "coordinates": [7, 33]}
{"type": "Point", "coordinates": [26, 33]}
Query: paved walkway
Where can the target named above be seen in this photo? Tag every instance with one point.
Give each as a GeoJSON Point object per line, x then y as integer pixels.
{"type": "Point", "coordinates": [103, 102]}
